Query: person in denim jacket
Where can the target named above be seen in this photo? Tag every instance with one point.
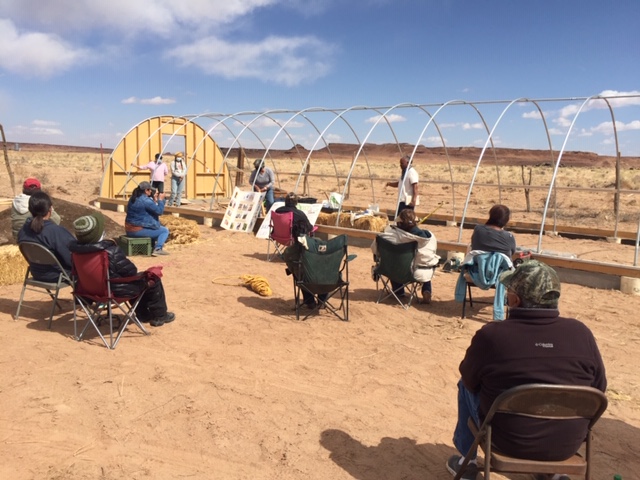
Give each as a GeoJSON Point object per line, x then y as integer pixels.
{"type": "Point", "coordinates": [142, 217]}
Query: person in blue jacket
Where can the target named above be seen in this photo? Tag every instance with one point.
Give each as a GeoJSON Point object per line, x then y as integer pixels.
{"type": "Point", "coordinates": [142, 217]}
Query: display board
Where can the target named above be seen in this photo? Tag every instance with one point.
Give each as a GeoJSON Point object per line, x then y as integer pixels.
{"type": "Point", "coordinates": [243, 211]}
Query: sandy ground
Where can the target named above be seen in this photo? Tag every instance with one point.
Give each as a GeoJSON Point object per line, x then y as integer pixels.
{"type": "Point", "coordinates": [236, 388]}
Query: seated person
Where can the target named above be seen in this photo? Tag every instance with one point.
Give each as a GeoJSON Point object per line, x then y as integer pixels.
{"type": "Point", "coordinates": [301, 225]}
{"type": "Point", "coordinates": [41, 229]}
{"type": "Point", "coordinates": [142, 217]}
{"type": "Point", "coordinates": [153, 305]}
{"type": "Point", "coordinates": [503, 355]}
{"type": "Point", "coordinates": [20, 206]}
{"type": "Point", "coordinates": [492, 237]}
{"type": "Point", "coordinates": [405, 231]}
{"type": "Point", "coordinates": [263, 180]}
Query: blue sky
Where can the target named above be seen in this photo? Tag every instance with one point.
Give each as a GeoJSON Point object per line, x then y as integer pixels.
{"type": "Point", "coordinates": [83, 72]}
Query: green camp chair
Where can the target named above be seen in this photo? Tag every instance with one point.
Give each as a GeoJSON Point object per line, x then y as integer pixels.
{"type": "Point", "coordinates": [393, 264]}
{"type": "Point", "coordinates": [321, 270]}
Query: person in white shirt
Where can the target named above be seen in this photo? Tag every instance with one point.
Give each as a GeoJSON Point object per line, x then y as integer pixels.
{"type": "Point", "coordinates": [178, 173]}
{"type": "Point", "coordinates": [407, 186]}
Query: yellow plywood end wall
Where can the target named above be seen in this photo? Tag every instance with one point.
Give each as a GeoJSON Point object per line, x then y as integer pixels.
{"type": "Point", "coordinates": [139, 146]}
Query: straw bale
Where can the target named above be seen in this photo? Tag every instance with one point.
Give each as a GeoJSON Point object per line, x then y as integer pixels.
{"type": "Point", "coordinates": [12, 265]}
{"type": "Point", "coordinates": [181, 230]}
{"type": "Point", "coordinates": [369, 222]}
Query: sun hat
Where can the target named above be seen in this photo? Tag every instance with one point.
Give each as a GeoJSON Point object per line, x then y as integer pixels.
{"type": "Point", "coordinates": [89, 228]}
{"type": "Point", "coordinates": [536, 283]}
{"type": "Point", "coordinates": [32, 183]}
{"type": "Point", "coordinates": [179, 155]}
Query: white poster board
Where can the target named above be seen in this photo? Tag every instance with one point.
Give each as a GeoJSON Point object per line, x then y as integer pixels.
{"type": "Point", "coordinates": [243, 211]}
{"type": "Point", "coordinates": [311, 210]}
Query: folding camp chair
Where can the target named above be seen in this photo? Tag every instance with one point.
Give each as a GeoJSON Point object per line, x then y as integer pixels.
{"type": "Point", "coordinates": [542, 401]}
{"type": "Point", "coordinates": [322, 270]}
{"type": "Point", "coordinates": [280, 233]}
{"type": "Point", "coordinates": [393, 264]}
{"type": "Point", "coordinates": [483, 271]}
{"type": "Point", "coordinates": [36, 254]}
{"type": "Point", "coordinates": [92, 293]}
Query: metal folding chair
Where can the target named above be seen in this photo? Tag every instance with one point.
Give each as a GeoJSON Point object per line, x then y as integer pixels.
{"type": "Point", "coordinates": [541, 401]}
{"type": "Point", "coordinates": [36, 254]}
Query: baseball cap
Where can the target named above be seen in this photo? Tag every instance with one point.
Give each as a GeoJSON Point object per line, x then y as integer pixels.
{"type": "Point", "coordinates": [535, 282]}
{"type": "Point", "coordinates": [144, 185]}
{"type": "Point", "coordinates": [31, 183]}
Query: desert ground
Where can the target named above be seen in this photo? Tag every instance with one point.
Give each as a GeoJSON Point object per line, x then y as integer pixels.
{"type": "Point", "coordinates": [236, 388]}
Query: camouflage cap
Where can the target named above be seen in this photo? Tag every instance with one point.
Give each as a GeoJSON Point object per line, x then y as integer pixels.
{"type": "Point", "coordinates": [536, 283]}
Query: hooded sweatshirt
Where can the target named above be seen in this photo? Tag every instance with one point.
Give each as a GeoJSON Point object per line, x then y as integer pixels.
{"type": "Point", "coordinates": [20, 213]}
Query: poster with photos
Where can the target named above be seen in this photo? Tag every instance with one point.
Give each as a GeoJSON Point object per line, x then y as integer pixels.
{"type": "Point", "coordinates": [243, 211]}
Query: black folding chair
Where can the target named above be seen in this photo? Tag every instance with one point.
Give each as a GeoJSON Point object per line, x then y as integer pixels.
{"type": "Point", "coordinates": [36, 254]}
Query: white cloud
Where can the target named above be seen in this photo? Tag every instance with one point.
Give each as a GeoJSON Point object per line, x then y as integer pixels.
{"type": "Point", "coordinates": [45, 123]}
{"type": "Point", "coordinates": [472, 126]}
{"type": "Point", "coordinates": [607, 127]}
{"type": "Point", "coordinates": [434, 141]}
{"type": "Point", "coordinates": [34, 54]}
{"type": "Point", "coordinates": [534, 114]}
{"type": "Point", "coordinates": [287, 61]}
{"type": "Point", "coordinates": [393, 118]}
{"type": "Point", "coordinates": [130, 18]}
{"type": "Point", "coordinates": [148, 101]}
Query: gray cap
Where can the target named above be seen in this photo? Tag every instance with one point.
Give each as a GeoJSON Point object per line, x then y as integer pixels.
{"type": "Point", "coordinates": [144, 185]}
{"type": "Point", "coordinates": [536, 283]}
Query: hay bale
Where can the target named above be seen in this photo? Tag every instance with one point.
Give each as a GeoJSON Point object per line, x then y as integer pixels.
{"type": "Point", "coordinates": [181, 230]}
{"type": "Point", "coordinates": [12, 265]}
{"type": "Point", "coordinates": [372, 223]}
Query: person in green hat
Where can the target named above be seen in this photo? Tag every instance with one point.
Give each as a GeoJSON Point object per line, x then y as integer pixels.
{"type": "Point", "coordinates": [533, 345]}
{"type": "Point", "coordinates": [89, 230]}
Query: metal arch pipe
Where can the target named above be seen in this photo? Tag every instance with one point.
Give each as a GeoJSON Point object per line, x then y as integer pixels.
{"type": "Point", "coordinates": [555, 173]}
{"type": "Point", "coordinates": [616, 201]}
{"type": "Point", "coordinates": [475, 172]}
{"type": "Point", "coordinates": [321, 136]}
{"type": "Point", "coordinates": [355, 158]}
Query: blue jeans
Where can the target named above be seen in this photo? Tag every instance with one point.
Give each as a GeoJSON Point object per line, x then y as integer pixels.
{"type": "Point", "coordinates": [176, 191]}
{"type": "Point", "coordinates": [158, 236]}
{"type": "Point", "coordinates": [468, 406]}
{"type": "Point", "coordinates": [269, 199]}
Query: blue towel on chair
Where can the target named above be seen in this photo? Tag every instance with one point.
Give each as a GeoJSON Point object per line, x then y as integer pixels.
{"type": "Point", "coordinates": [485, 268]}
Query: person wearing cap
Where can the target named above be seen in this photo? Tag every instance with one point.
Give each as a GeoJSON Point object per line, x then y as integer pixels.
{"type": "Point", "coordinates": [262, 179]}
{"type": "Point", "coordinates": [89, 230]}
{"type": "Point", "coordinates": [39, 228]}
{"type": "Point", "coordinates": [407, 185]}
{"type": "Point", "coordinates": [178, 172]}
{"type": "Point", "coordinates": [142, 218]}
{"type": "Point", "coordinates": [20, 206]}
{"type": "Point", "coordinates": [533, 345]}
{"type": "Point", "coordinates": [159, 171]}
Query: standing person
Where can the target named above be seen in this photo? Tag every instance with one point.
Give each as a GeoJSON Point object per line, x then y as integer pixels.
{"type": "Point", "coordinates": [408, 192]}
{"type": "Point", "coordinates": [178, 173]}
{"type": "Point", "coordinates": [142, 217]}
{"type": "Point", "coordinates": [41, 229]}
{"type": "Point", "coordinates": [533, 345]}
{"type": "Point", "coordinates": [90, 238]}
{"type": "Point", "coordinates": [158, 171]}
{"type": "Point", "coordinates": [262, 179]}
{"type": "Point", "coordinates": [423, 268]}
{"type": "Point", "coordinates": [20, 206]}
{"type": "Point", "coordinates": [492, 237]}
